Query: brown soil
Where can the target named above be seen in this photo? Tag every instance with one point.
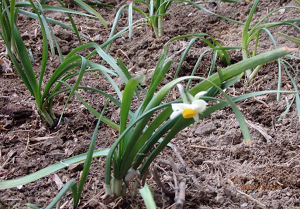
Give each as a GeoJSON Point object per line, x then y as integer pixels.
{"type": "Point", "coordinates": [230, 173]}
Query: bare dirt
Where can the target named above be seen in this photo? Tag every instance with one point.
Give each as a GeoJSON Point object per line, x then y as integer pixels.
{"type": "Point", "coordinates": [225, 172]}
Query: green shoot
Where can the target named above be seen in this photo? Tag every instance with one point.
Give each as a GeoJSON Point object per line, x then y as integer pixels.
{"type": "Point", "coordinates": [251, 33]}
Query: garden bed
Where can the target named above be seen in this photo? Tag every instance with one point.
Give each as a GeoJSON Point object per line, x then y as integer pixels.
{"type": "Point", "coordinates": [230, 174]}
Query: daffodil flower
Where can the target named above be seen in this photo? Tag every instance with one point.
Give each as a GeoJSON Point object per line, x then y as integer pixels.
{"type": "Point", "coordinates": [187, 110]}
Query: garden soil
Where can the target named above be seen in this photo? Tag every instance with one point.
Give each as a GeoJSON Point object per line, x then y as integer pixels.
{"type": "Point", "coordinates": [220, 170]}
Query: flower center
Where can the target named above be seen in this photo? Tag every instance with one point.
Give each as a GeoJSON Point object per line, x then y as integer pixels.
{"type": "Point", "coordinates": [188, 113]}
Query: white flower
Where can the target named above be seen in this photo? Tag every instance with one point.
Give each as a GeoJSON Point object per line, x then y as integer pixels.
{"type": "Point", "coordinates": [192, 110]}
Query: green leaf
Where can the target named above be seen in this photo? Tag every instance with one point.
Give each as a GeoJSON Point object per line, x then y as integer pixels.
{"type": "Point", "coordinates": [42, 18]}
{"type": "Point", "coordinates": [240, 67]}
{"type": "Point", "coordinates": [92, 110]}
{"type": "Point", "coordinates": [259, 24]}
{"type": "Point", "coordinates": [159, 73]}
{"type": "Point", "coordinates": [69, 185]}
{"type": "Point", "coordinates": [146, 114]}
{"type": "Point", "coordinates": [148, 197]}
{"type": "Point", "coordinates": [92, 11]}
{"type": "Point", "coordinates": [72, 22]}
{"type": "Point", "coordinates": [184, 56]}
{"type": "Point", "coordinates": [130, 19]}
{"type": "Point", "coordinates": [32, 206]}
{"type": "Point", "coordinates": [89, 158]}
{"type": "Point", "coordinates": [50, 20]}
{"type": "Point", "coordinates": [293, 39]}
{"type": "Point", "coordinates": [81, 73]}
{"type": "Point", "coordinates": [296, 89]}
{"type": "Point", "coordinates": [50, 169]}
{"type": "Point", "coordinates": [142, 147]}
{"type": "Point", "coordinates": [66, 65]}
{"type": "Point", "coordinates": [209, 12]}
{"type": "Point", "coordinates": [126, 102]}
{"type": "Point", "coordinates": [28, 70]}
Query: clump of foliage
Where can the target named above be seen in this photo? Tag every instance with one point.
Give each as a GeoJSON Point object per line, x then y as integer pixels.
{"type": "Point", "coordinates": [145, 131]}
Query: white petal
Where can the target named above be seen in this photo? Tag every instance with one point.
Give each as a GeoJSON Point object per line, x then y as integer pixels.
{"type": "Point", "coordinates": [175, 114]}
{"type": "Point", "coordinates": [199, 105]}
{"type": "Point", "coordinates": [200, 94]}
{"type": "Point", "coordinates": [181, 106]}
{"type": "Point", "coordinates": [196, 117]}
{"type": "Point", "coordinates": [181, 89]}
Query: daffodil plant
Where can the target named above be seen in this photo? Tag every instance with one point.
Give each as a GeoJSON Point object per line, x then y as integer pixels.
{"type": "Point", "coordinates": [146, 130]}
{"type": "Point", "coordinates": [71, 65]}
{"type": "Point", "coordinates": [134, 150]}
{"type": "Point", "coordinates": [252, 33]}
{"type": "Point", "coordinates": [156, 10]}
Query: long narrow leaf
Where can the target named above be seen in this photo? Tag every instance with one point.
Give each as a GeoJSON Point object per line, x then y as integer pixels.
{"type": "Point", "coordinates": [89, 157]}
{"type": "Point", "coordinates": [50, 20]}
{"type": "Point", "coordinates": [126, 102]}
{"type": "Point", "coordinates": [92, 11]}
{"type": "Point", "coordinates": [92, 110]}
{"type": "Point", "coordinates": [81, 73]}
{"type": "Point", "coordinates": [50, 169]}
{"type": "Point", "coordinates": [72, 23]}
{"type": "Point", "coordinates": [28, 70]}
{"type": "Point", "coordinates": [116, 143]}
{"type": "Point", "coordinates": [209, 12]}
{"type": "Point", "coordinates": [148, 197]}
{"type": "Point", "coordinates": [184, 56]}
{"type": "Point", "coordinates": [296, 89]}
{"type": "Point", "coordinates": [293, 39]}
{"type": "Point", "coordinates": [62, 192]}
{"type": "Point", "coordinates": [38, 8]}
{"type": "Point", "coordinates": [130, 19]}
{"type": "Point", "coordinates": [240, 67]}
{"type": "Point", "coordinates": [32, 206]}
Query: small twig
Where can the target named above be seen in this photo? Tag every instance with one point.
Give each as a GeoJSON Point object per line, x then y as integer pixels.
{"type": "Point", "coordinates": [179, 190]}
{"type": "Point", "coordinates": [7, 160]}
{"type": "Point", "coordinates": [174, 166]}
{"type": "Point", "coordinates": [176, 187]}
{"type": "Point", "coordinates": [27, 145]}
{"type": "Point", "coordinates": [246, 195]}
{"type": "Point", "coordinates": [262, 102]}
{"type": "Point", "coordinates": [44, 138]}
{"type": "Point", "coordinates": [20, 131]}
{"type": "Point", "coordinates": [171, 206]}
{"type": "Point", "coordinates": [117, 202]}
{"type": "Point", "coordinates": [252, 199]}
{"type": "Point", "coordinates": [3, 129]}
{"type": "Point", "coordinates": [260, 130]}
{"type": "Point", "coordinates": [178, 52]}
{"type": "Point", "coordinates": [124, 53]}
{"type": "Point", "coordinates": [63, 205]}
{"type": "Point", "coordinates": [188, 169]}
{"type": "Point", "coordinates": [175, 174]}
{"type": "Point", "coordinates": [159, 183]}
{"type": "Point", "coordinates": [94, 198]}
{"type": "Point", "coordinates": [181, 196]}
{"type": "Point", "coordinates": [179, 156]}
{"type": "Point", "coordinates": [207, 148]}
{"type": "Point", "coordinates": [165, 162]}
